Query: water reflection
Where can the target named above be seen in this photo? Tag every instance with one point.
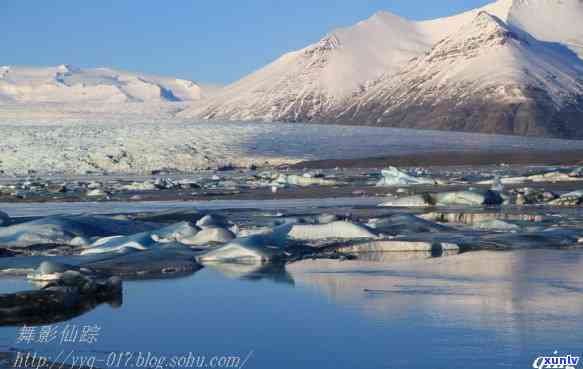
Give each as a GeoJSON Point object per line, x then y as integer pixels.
{"type": "Point", "coordinates": [483, 288]}
{"type": "Point", "coordinates": [275, 272]}
{"type": "Point", "coordinates": [478, 309]}
{"type": "Point", "coordinates": [50, 316]}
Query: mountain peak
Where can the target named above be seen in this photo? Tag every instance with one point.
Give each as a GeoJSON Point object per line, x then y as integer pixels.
{"type": "Point", "coordinates": [67, 68]}
{"type": "Point", "coordinates": [330, 42]}
{"type": "Point", "coordinates": [484, 31]}
{"type": "Point", "coordinates": [486, 23]}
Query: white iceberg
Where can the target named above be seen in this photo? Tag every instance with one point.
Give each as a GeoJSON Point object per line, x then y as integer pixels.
{"type": "Point", "coordinates": [49, 271]}
{"type": "Point", "coordinates": [398, 246]}
{"type": "Point", "coordinates": [64, 229]}
{"type": "Point", "coordinates": [496, 225]}
{"type": "Point", "coordinates": [301, 181]}
{"type": "Point", "coordinates": [392, 176]}
{"type": "Point", "coordinates": [334, 230]}
{"type": "Point", "coordinates": [142, 241]}
{"type": "Point", "coordinates": [453, 198]}
{"type": "Point", "coordinates": [209, 236]}
{"type": "Point", "coordinates": [246, 249]}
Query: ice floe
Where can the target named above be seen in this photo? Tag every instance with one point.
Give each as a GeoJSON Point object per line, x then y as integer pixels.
{"type": "Point", "coordinates": [334, 230]}
{"type": "Point", "coordinates": [453, 198]}
{"type": "Point", "coordinates": [252, 248]}
{"type": "Point", "coordinates": [303, 181]}
{"type": "Point", "coordinates": [395, 177]}
{"type": "Point", "coordinates": [209, 236]}
{"type": "Point", "coordinates": [4, 219]}
{"type": "Point", "coordinates": [178, 232]}
{"type": "Point", "coordinates": [63, 229]}
{"type": "Point", "coordinates": [398, 246]}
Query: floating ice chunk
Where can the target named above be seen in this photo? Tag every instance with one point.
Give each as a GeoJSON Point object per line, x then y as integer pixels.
{"type": "Point", "coordinates": [97, 192]}
{"type": "Point", "coordinates": [209, 236]}
{"type": "Point", "coordinates": [334, 230]}
{"type": "Point", "coordinates": [415, 201]}
{"type": "Point", "coordinates": [569, 199]}
{"type": "Point", "coordinates": [140, 186]}
{"type": "Point", "coordinates": [578, 193]}
{"type": "Point", "coordinates": [175, 232]}
{"type": "Point", "coordinates": [311, 219]}
{"type": "Point", "coordinates": [471, 218]}
{"type": "Point", "coordinates": [504, 181]}
{"type": "Point", "coordinates": [325, 218]}
{"type": "Point", "coordinates": [455, 198]}
{"type": "Point", "coordinates": [49, 271]}
{"type": "Point", "coordinates": [394, 177]}
{"type": "Point", "coordinates": [554, 177]}
{"type": "Point", "coordinates": [4, 219]}
{"type": "Point", "coordinates": [211, 221]}
{"type": "Point", "coordinates": [406, 223]}
{"type": "Point", "coordinates": [295, 180]}
{"type": "Point", "coordinates": [496, 225]}
{"type": "Point", "coordinates": [140, 241]}
{"type": "Point", "coordinates": [245, 249]}
{"type": "Point", "coordinates": [398, 246]}
{"type": "Point", "coordinates": [143, 241]}
{"type": "Point", "coordinates": [468, 198]}
{"type": "Point", "coordinates": [63, 229]}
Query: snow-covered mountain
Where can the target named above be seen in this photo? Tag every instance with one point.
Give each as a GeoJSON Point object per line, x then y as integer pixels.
{"type": "Point", "coordinates": [68, 84]}
{"type": "Point", "coordinates": [513, 66]}
{"type": "Point", "coordinates": [486, 77]}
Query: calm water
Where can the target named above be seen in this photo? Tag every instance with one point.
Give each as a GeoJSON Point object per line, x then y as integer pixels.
{"type": "Point", "coordinates": [475, 310]}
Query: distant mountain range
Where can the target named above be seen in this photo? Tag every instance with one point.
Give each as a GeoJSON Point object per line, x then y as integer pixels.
{"type": "Point", "coordinates": [68, 84]}
{"type": "Point", "coordinates": [512, 67]}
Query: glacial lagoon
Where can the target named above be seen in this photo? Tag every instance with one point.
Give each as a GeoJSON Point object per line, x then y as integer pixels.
{"type": "Point", "coordinates": [480, 309]}
{"type": "Point", "coordinates": [463, 281]}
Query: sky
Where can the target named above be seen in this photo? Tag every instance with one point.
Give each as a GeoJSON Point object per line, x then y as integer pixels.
{"type": "Point", "coordinates": [208, 41]}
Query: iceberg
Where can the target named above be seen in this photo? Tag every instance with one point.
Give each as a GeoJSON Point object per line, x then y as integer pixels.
{"type": "Point", "coordinates": [255, 248]}
{"type": "Point", "coordinates": [64, 229]}
{"type": "Point", "coordinates": [209, 236]}
{"type": "Point", "coordinates": [393, 176]}
{"type": "Point", "coordinates": [49, 271]}
{"type": "Point", "coordinates": [334, 230]}
{"type": "Point", "coordinates": [398, 246]}
{"type": "Point", "coordinates": [496, 225]}
{"type": "Point", "coordinates": [4, 219]}
{"type": "Point", "coordinates": [211, 220]}
{"type": "Point", "coordinates": [569, 199]}
{"type": "Point", "coordinates": [454, 198]}
{"type": "Point", "coordinates": [144, 240]}
{"type": "Point", "coordinates": [406, 223]}
{"type": "Point", "coordinates": [301, 181]}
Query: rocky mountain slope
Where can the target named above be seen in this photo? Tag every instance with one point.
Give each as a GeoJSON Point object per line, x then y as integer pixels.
{"type": "Point", "coordinates": [487, 78]}
{"type": "Point", "coordinates": [513, 66]}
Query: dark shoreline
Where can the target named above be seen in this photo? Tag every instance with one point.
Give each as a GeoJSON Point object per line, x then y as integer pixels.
{"type": "Point", "coordinates": [452, 158]}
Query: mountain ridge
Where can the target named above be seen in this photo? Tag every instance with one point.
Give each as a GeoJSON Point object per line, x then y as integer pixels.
{"type": "Point", "coordinates": [547, 102]}
{"type": "Point", "coordinates": [453, 87]}
{"type": "Point", "coordinates": [66, 84]}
